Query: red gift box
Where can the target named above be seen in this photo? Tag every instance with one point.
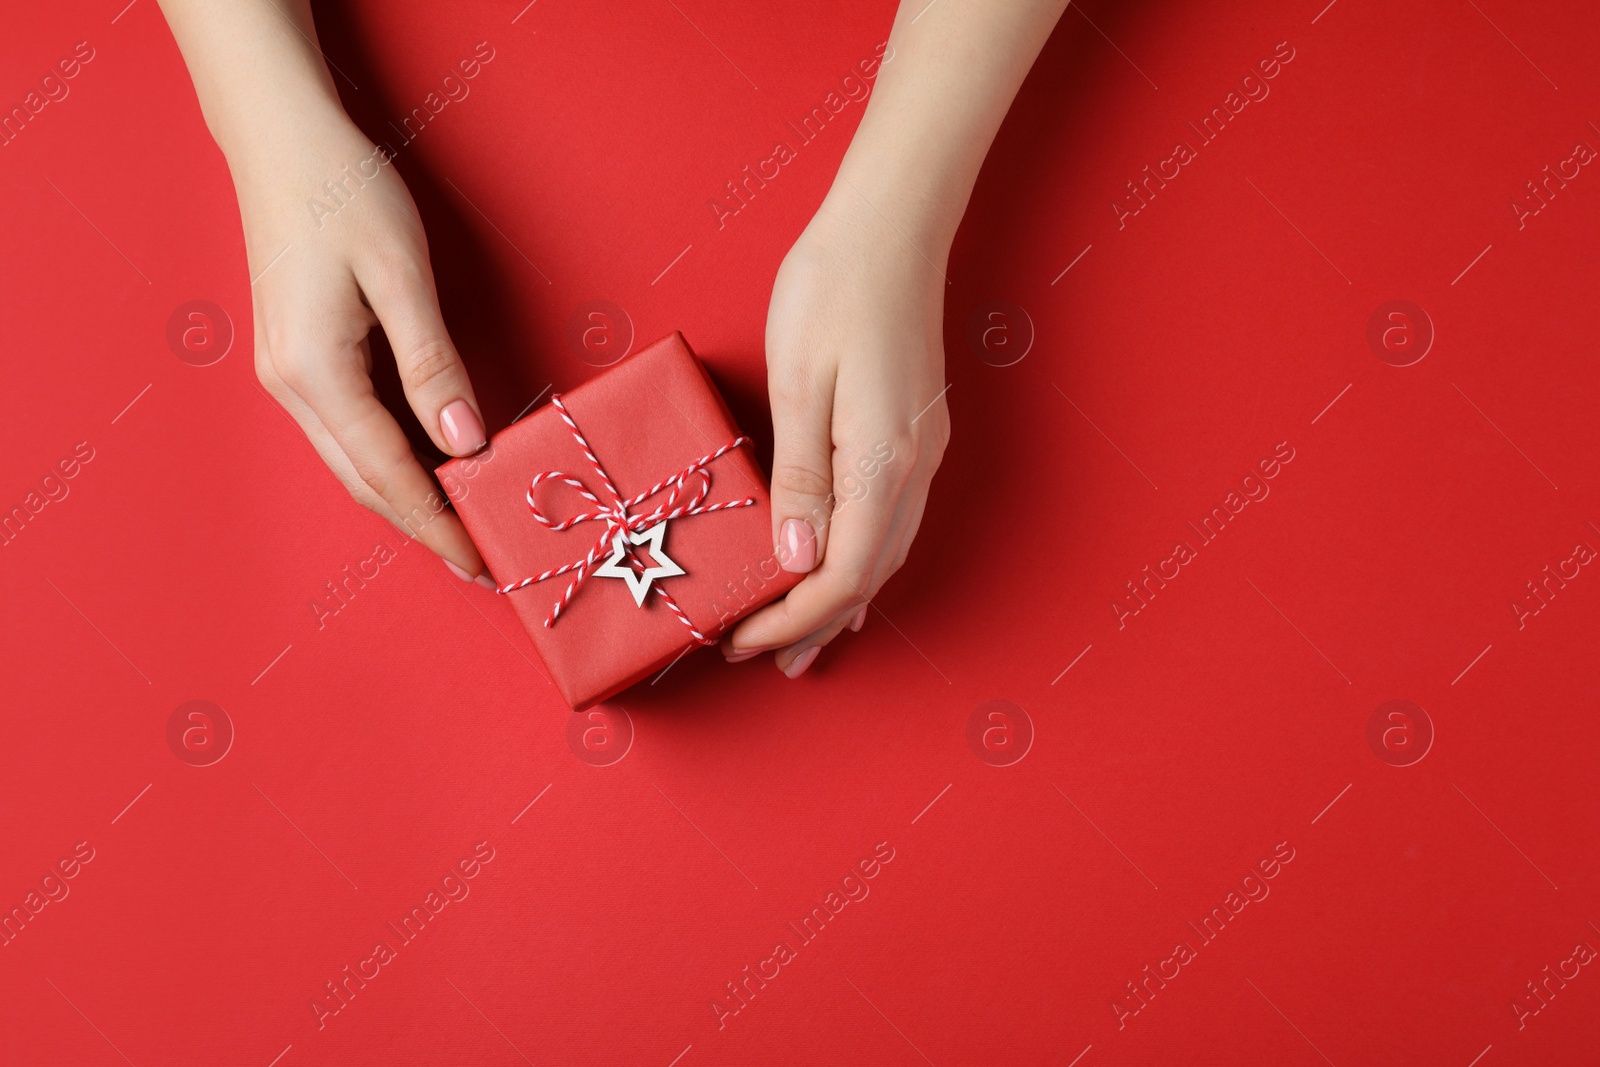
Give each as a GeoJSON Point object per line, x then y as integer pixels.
{"type": "Point", "coordinates": [647, 451]}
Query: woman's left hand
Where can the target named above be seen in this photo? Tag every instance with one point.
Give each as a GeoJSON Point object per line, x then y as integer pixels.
{"type": "Point", "coordinates": [855, 368]}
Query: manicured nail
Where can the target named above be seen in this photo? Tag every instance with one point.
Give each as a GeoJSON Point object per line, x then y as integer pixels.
{"type": "Point", "coordinates": [802, 661]}
{"type": "Point", "coordinates": [487, 582]}
{"type": "Point", "coordinates": [740, 657]}
{"type": "Point", "coordinates": [458, 572]}
{"type": "Point", "coordinates": [462, 428]}
{"type": "Point", "coordinates": [797, 546]}
{"type": "Point", "coordinates": [857, 622]}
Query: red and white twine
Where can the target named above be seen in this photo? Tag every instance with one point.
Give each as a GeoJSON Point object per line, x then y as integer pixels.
{"type": "Point", "coordinates": [680, 502]}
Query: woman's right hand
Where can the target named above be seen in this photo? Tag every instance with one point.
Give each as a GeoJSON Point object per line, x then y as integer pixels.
{"type": "Point", "coordinates": [336, 247]}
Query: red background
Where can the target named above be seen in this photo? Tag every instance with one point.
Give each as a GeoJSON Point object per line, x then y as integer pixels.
{"type": "Point", "coordinates": [373, 754]}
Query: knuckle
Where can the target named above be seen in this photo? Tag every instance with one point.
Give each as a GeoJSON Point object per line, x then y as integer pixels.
{"type": "Point", "coordinates": [430, 362]}
{"type": "Point", "coordinates": [906, 451]}
{"type": "Point", "coordinates": [294, 374]}
{"type": "Point", "coordinates": [363, 494]}
{"type": "Point", "coordinates": [266, 374]}
{"type": "Point", "coordinates": [400, 261]}
{"type": "Point", "coordinates": [794, 386]}
{"type": "Point", "coordinates": [795, 480]}
{"type": "Point", "coordinates": [924, 434]}
{"type": "Point", "coordinates": [901, 447]}
{"type": "Point", "coordinates": [375, 477]}
{"type": "Point", "coordinates": [938, 434]}
{"type": "Point", "coordinates": [266, 371]}
{"type": "Point", "coordinates": [922, 448]}
{"type": "Point", "coordinates": [375, 480]}
{"type": "Point", "coordinates": [292, 365]}
{"type": "Point", "coordinates": [852, 585]}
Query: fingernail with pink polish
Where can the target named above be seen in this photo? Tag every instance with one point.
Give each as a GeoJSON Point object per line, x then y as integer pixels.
{"type": "Point", "coordinates": [797, 546]}
{"type": "Point", "coordinates": [860, 619]}
{"type": "Point", "coordinates": [458, 572]}
{"type": "Point", "coordinates": [740, 657]}
{"type": "Point", "coordinates": [487, 582]}
{"type": "Point", "coordinates": [462, 428]}
{"type": "Point", "coordinates": [802, 661]}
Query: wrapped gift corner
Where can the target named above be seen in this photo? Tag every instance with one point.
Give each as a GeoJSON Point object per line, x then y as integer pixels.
{"type": "Point", "coordinates": [645, 457]}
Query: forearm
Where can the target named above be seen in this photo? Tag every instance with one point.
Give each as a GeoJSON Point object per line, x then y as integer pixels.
{"type": "Point", "coordinates": [941, 94]}
{"type": "Point", "coordinates": [256, 69]}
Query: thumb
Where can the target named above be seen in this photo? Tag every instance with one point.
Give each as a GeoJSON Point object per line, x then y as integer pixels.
{"type": "Point", "coordinates": [435, 380]}
{"type": "Point", "coordinates": [802, 474]}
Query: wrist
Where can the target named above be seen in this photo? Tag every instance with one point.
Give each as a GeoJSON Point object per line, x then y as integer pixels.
{"type": "Point", "coordinates": [276, 125]}
{"type": "Point", "coordinates": [900, 218]}
{"type": "Point", "coordinates": [257, 69]}
{"type": "Point", "coordinates": [298, 160]}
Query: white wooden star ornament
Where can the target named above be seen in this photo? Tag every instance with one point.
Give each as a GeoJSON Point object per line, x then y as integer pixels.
{"type": "Point", "coordinates": [618, 565]}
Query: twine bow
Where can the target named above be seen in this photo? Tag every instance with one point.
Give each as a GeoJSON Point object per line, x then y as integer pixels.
{"type": "Point", "coordinates": [686, 493]}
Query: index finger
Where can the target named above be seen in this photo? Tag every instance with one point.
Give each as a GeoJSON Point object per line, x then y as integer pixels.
{"type": "Point", "coordinates": [343, 399]}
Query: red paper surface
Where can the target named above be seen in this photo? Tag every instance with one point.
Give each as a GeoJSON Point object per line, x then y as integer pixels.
{"type": "Point", "coordinates": [646, 419]}
{"type": "Point", "coordinates": [644, 855]}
